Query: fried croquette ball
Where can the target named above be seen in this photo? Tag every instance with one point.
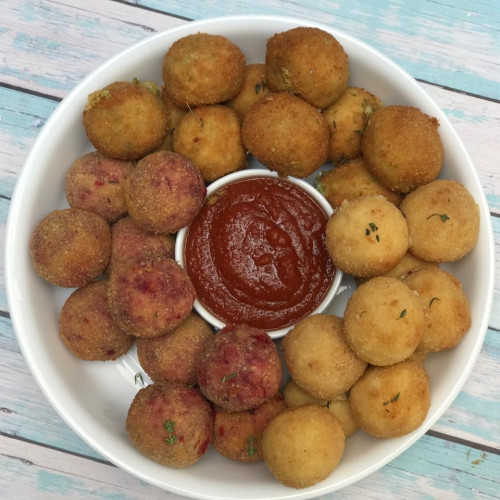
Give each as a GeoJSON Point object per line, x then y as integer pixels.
{"type": "Point", "coordinates": [237, 435]}
{"type": "Point", "coordinates": [125, 120]}
{"type": "Point", "coordinates": [149, 296]}
{"type": "Point", "coordinates": [367, 236]}
{"type": "Point", "coordinates": [170, 424]}
{"type": "Point", "coordinates": [308, 62]}
{"type": "Point", "coordinates": [446, 308]}
{"type": "Point", "coordinates": [347, 118]}
{"type": "Point", "coordinates": [402, 147]}
{"type": "Point", "coordinates": [210, 136]}
{"type": "Point", "coordinates": [95, 183]}
{"type": "Point", "coordinates": [348, 181]}
{"type": "Point", "coordinates": [409, 264]}
{"type": "Point", "coordinates": [286, 134]}
{"type": "Point", "coordinates": [203, 69]}
{"type": "Point", "coordinates": [174, 116]}
{"type": "Point", "coordinates": [128, 240]}
{"type": "Point", "coordinates": [302, 446]}
{"type": "Point", "coordinates": [383, 321]}
{"type": "Point", "coordinates": [443, 220]}
{"type": "Point", "coordinates": [70, 247]}
{"type": "Point", "coordinates": [87, 328]}
{"type": "Point", "coordinates": [164, 192]}
{"type": "Point", "coordinates": [318, 357]}
{"type": "Point", "coordinates": [254, 87]}
{"type": "Point", "coordinates": [295, 396]}
{"type": "Point", "coordinates": [239, 368]}
{"type": "Point", "coordinates": [174, 356]}
{"type": "Point", "coordinates": [391, 401]}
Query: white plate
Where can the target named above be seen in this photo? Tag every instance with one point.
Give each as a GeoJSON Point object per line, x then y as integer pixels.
{"type": "Point", "coordinates": [93, 398]}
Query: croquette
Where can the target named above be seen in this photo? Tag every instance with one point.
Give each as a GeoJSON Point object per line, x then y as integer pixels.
{"type": "Point", "coordinates": [149, 296]}
{"type": "Point", "coordinates": [302, 446]}
{"type": "Point", "coordinates": [70, 247]}
{"type": "Point", "coordinates": [128, 240]}
{"type": "Point", "coordinates": [203, 69]}
{"type": "Point", "coordinates": [253, 88]}
{"type": "Point", "coordinates": [383, 321]}
{"type": "Point", "coordinates": [446, 308]}
{"type": "Point", "coordinates": [443, 221]}
{"type": "Point", "coordinates": [87, 328]}
{"type": "Point", "coordinates": [170, 424]}
{"type": "Point", "coordinates": [348, 181]}
{"type": "Point", "coordinates": [402, 147]}
{"type": "Point", "coordinates": [174, 356]}
{"type": "Point", "coordinates": [318, 358]}
{"type": "Point", "coordinates": [407, 265]}
{"type": "Point", "coordinates": [239, 368]}
{"type": "Point", "coordinates": [237, 435]}
{"type": "Point", "coordinates": [286, 134]}
{"type": "Point", "coordinates": [295, 396]}
{"type": "Point", "coordinates": [210, 136]}
{"type": "Point", "coordinates": [367, 236]}
{"type": "Point", "coordinates": [125, 120]}
{"type": "Point", "coordinates": [347, 118]}
{"type": "Point", "coordinates": [308, 62]}
{"type": "Point", "coordinates": [95, 183]}
{"type": "Point", "coordinates": [164, 192]}
{"type": "Point", "coordinates": [391, 401]}
{"type": "Point", "coordinates": [174, 116]}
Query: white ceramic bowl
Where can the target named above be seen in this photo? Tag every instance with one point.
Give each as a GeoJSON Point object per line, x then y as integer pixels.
{"type": "Point", "coordinates": [254, 171]}
{"type": "Point", "coordinates": [98, 413]}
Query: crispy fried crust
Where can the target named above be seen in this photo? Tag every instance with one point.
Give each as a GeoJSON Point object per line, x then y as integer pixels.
{"type": "Point", "coordinates": [383, 321]}
{"type": "Point", "coordinates": [286, 134]}
{"type": "Point", "coordinates": [402, 147]}
{"type": "Point", "coordinates": [210, 136]}
{"type": "Point", "coordinates": [125, 120]}
{"type": "Point", "coordinates": [367, 236]}
{"type": "Point", "coordinates": [170, 424]}
{"type": "Point", "coordinates": [446, 308]}
{"type": "Point", "coordinates": [203, 69]}
{"type": "Point", "coordinates": [87, 328]}
{"type": "Point", "coordinates": [308, 62]}
{"type": "Point", "coordinates": [70, 247]}
{"type": "Point", "coordinates": [319, 359]}
{"type": "Point", "coordinates": [303, 445]}
{"type": "Point", "coordinates": [443, 221]}
{"type": "Point", "coordinates": [391, 401]}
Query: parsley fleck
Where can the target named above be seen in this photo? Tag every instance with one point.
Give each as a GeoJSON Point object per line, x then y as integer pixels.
{"type": "Point", "coordinates": [169, 427]}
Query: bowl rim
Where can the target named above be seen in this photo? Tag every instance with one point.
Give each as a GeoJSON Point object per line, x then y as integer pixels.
{"type": "Point", "coordinates": [16, 299]}
{"type": "Point", "coordinates": [250, 173]}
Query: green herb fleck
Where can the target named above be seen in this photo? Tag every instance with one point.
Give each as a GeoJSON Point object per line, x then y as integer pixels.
{"type": "Point", "coordinates": [251, 442]}
{"type": "Point", "coordinates": [372, 228]}
{"type": "Point", "coordinates": [403, 314]}
{"type": "Point", "coordinates": [138, 376]}
{"type": "Point", "coordinates": [443, 217]}
{"type": "Point", "coordinates": [393, 400]}
{"type": "Point", "coordinates": [169, 427]}
{"type": "Point", "coordinates": [432, 300]}
{"type": "Point", "coordinates": [228, 377]}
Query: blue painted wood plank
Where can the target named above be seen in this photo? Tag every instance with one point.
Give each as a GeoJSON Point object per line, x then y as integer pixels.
{"type": "Point", "coordinates": [24, 411]}
{"type": "Point", "coordinates": [22, 117]}
{"type": "Point", "coordinates": [396, 28]}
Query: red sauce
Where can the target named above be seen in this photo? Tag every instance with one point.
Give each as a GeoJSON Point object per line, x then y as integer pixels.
{"type": "Point", "coordinates": [256, 253]}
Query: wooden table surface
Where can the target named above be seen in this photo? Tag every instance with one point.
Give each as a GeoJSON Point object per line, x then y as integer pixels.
{"type": "Point", "coordinates": [451, 47]}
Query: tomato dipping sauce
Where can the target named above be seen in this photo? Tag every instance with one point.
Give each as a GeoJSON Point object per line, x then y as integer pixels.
{"type": "Point", "coordinates": [256, 253]}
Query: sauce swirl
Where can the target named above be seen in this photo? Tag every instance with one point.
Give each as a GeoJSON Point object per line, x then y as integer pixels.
{"type": "Point", "coordinates": [256, 253]}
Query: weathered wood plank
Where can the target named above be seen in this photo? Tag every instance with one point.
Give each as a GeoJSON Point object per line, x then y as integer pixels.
{"type": "Point", "coordinates": [31, 471]}
{"type": "Point", "coordinates": [422, 38]}
{"type": "Point", "coordinates": [69, 39]}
